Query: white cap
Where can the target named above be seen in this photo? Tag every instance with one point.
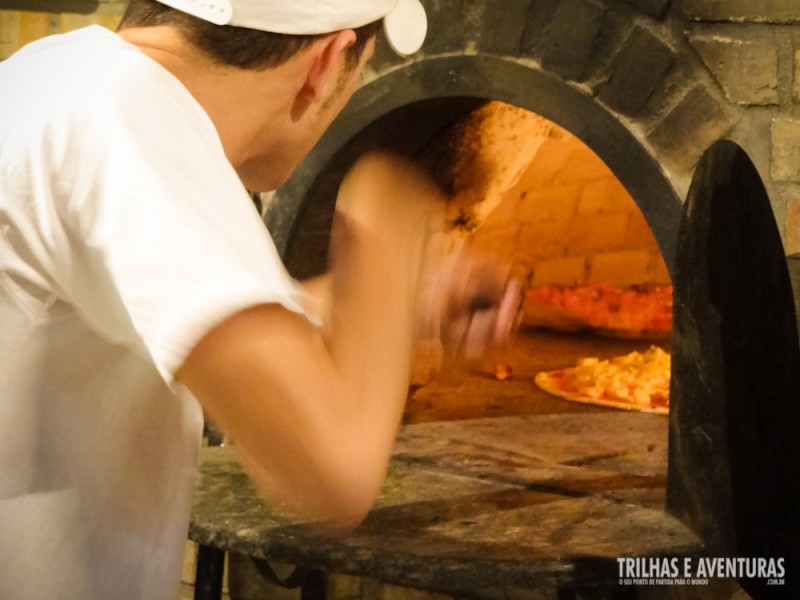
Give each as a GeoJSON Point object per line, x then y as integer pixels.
{"type": "Point", "coordinates": [405, 22]}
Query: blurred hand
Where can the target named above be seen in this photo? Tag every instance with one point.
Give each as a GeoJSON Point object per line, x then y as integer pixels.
{"type": "Point", "coordinates": [473, 305]}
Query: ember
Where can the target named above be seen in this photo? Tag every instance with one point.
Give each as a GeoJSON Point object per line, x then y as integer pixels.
{"type": "Point", "coordinates": [502, 372]}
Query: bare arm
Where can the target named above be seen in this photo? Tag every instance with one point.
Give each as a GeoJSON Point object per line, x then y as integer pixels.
{"type": "Point", "coordinates": [314, 411]}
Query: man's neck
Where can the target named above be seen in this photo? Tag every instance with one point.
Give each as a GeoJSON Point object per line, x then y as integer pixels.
{"type": "Point", "coordinates": [235, 99]}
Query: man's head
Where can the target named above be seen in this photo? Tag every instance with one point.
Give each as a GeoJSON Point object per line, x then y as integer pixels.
{"type": "Point", "coordinates": [256, 34]}
{"type": "Point", "coordinates": [268, 131]}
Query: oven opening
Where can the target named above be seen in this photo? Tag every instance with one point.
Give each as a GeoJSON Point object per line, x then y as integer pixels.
{"type": "Point", "coordinates": [597, 297]}
{"type": "Point", "coordinates": [529, 192]}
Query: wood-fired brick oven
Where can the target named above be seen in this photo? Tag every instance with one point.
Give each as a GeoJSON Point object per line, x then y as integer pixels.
{"type": "Point", "coordinates": [650, 86]}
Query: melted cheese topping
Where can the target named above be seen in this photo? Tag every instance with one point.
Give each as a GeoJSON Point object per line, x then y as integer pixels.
{"type": "Point", "coordinates": [639, 377]}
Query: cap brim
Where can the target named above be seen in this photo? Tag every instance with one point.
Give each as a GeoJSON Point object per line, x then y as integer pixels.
{"type": "Point", "coordinates": [406, 26]}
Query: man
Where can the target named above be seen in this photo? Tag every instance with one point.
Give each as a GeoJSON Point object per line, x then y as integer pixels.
{"type": "Point", "coordinates": [139, 288]}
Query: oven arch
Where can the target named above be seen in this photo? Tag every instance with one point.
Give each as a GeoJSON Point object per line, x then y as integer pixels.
{"type": "Point", "coordinates": [620, 145]}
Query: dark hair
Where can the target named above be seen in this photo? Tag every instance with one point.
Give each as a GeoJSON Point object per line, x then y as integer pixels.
{"type": "Point", "coordinates": [236, 46]}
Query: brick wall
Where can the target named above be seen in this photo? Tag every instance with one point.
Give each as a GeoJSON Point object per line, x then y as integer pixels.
{"type": "Point", "coordinates": [752, 50]}
{"type": "Point", "coordinates": [23, 21]}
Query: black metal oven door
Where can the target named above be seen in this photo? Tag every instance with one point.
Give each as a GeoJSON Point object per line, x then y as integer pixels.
{"type": "Point", "coordinates": [734, 457]}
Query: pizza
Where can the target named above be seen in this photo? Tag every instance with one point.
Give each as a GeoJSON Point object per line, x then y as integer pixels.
{"type": "Point", "coordinates": [637, 312]}
{"type": "Point", "coordinates": [635, 381]}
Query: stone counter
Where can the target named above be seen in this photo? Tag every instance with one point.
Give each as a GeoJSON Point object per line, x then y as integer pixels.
{"type": "Point", "coordinates": [508, 503]}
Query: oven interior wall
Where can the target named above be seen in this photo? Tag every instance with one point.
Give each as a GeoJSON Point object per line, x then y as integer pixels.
{"type": "Point", "coordinates": [563, 219]}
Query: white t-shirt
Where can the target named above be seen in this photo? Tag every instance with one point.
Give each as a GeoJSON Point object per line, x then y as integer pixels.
{"type": "Point", "coordinates": [126, 235]}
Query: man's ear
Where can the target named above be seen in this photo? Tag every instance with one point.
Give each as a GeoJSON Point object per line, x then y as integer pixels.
{"type": "Point", "coordinates": [329, 57]}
